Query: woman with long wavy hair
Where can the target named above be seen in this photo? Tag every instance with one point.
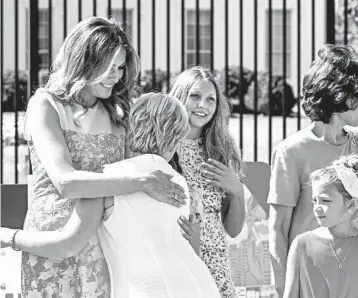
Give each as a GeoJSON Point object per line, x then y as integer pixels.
{"type": "Point", "coordinates": [75, 124]}
{"type": "Point", "coordinates": [211, 164]}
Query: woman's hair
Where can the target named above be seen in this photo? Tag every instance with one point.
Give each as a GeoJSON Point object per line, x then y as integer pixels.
{"type": "Point", "coordinates": [331, 84]}
{"type": "Point", "coordinates": [329, 175]}
{"type": "Point", "coordinates": [218, 142]}
{"type": "Point", "coordinates": [157, 123]}
{"type": "Point", "coordinates": [86, 55]}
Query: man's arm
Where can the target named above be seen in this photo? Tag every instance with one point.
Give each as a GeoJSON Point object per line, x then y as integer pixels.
{"type": "Point", "coordinates": [283, 197]}
{"type": "Point", "coordinates": [279, 228]}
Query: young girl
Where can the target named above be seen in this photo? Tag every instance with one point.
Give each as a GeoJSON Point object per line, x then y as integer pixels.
{"type": "Point", "coordinates": [211, 165]}
{"type": "Point", "coordinates": [324, 262]}
{"type": "Point", "coordinates": [140, 237]}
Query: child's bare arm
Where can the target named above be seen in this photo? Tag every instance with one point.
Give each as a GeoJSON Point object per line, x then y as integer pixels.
{"type": "Point", "coordinates": [292, 285]}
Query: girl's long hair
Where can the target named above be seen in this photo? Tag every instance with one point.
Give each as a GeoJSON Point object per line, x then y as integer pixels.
{"type": "Point", "coordinates": [218, 142]}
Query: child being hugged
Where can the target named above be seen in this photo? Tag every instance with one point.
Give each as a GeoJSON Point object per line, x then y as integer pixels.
{"type": "Point", "coordinates": [324, 262]}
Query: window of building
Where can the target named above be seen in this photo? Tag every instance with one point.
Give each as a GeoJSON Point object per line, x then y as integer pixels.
{"type": "Point", "coordinates": [118, 15]}
{"type": "Point", "coordinates": [205, 38]}
{"type": "Point", "coordinates": [43, 38]}
{"type": "Point", "coordinates": [277, 43]}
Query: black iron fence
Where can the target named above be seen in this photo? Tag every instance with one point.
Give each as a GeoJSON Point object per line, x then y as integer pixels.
{"type": "Point", "coordinates": [259, 49]}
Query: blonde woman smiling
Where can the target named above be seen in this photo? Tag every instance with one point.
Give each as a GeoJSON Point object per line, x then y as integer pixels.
{"type": "Point", "coordinates": [211, 164]}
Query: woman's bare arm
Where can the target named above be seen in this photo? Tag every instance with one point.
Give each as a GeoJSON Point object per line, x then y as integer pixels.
{"type": "Point", "coordinates": [233, 208]}
{"type": "Point", "coordinates": [67, 242]}
{"type": "Point", "coordinates": [233, 213]}
{"type": "Point", "coordinates": [54, 154]}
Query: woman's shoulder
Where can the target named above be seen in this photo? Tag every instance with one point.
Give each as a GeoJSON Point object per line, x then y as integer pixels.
{"type": "Point", "coordinates": [43, 102]}
{"type": "Point", "coordinates": [41, 106]}
{"type": "Point", "coordinates": [40, 99]}
{"type": "Point", "coordinates": [45, 95]}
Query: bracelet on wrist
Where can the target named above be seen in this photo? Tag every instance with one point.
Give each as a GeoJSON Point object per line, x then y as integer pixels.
{"type": "Point", "coordinates": [13, 241]}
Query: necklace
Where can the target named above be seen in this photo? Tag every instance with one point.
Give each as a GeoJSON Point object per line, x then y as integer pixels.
{"type": "Point", "coordinates": [340, 263]}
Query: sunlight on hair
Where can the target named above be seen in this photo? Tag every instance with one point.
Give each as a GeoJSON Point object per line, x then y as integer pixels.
{"type": "Point", "coordinates": [85, 57]}
{"type": "Point", "coordinates": [157, 122]}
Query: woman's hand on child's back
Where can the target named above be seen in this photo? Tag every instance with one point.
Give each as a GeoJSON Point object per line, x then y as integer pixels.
{"type": "Point", "coordinates": [159, 186]}
{"type": "Point", "coordinates": [222, 176]}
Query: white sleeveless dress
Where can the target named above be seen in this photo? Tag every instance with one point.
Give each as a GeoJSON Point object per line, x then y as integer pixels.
{"type": "Point", "coordinates": [146, 254]}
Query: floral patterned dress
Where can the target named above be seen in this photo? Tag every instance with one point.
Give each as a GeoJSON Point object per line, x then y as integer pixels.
{"type": "Point", "coordinates": [207, 201]}
{"type": "Point", "coordinates": [85, 274]}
